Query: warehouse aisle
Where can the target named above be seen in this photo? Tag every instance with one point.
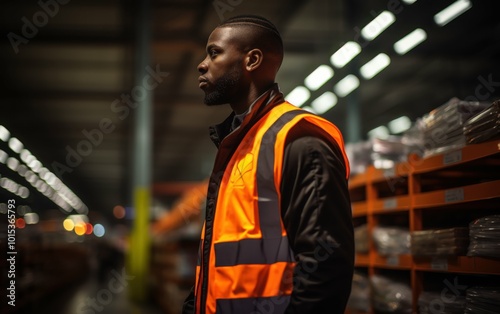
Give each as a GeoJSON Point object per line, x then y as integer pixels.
{"type": "Point", "coordinates": [92, 297]}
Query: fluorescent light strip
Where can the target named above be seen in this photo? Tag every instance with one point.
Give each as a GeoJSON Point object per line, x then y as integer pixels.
{"type": "Point", "coordinates": [345, 54]}
{"type": "Point", "coordinates": [345, 86]}
{"type": "Point", "coordinates": [4, 134]}
{"type": "Point", "coordinates": [310, 109]}
{"type": "Point", "coordinates": [12, 163]}
{"type": "Point", "coordinates": [298, 96]}
{"type": "Point", "coordinates": [374, 66]}
{"type": "Point", "coordinates": [56, 190]}
{"type": "Point", "coordinates": [410, 41]}
{"type": "Point", "coordinates": [3, 156]}
{"type": "Point", "coordinates": [378, 25]}
{"type": "Point", "coordinates": [379, 132]}
{"type": "Point", "coordinates": [399, 125]}
{"type": "Point", "coordinates": [452, 12]}
{"type": "Point", "coordinates": [324, 102]}
{"type": "Point", "coordinates": [15, 145]}
{"type": "Point", "coordinates": [318, 77]}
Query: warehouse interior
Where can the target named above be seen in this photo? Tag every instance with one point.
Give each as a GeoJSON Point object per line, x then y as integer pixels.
{"type": "Point", "coordinates": [101, 98]}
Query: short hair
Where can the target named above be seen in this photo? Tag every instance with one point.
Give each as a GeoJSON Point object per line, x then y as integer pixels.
{"type": "Point", "coordinates": [267, 34]}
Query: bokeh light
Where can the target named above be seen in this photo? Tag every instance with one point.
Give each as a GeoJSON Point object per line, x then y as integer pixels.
{"type": "Point", "coordinates": [99, 230]}
{"type": "Point", "coordinates": [68, 224]}
{"type": "Point", "coordinates": [20, 223]}
{"type": "Point", "coordinates": [80, 228]}
{"type": "Point", "coordinates": [119, 212]}
{"type": "Point", "coordinates": [89, 228]}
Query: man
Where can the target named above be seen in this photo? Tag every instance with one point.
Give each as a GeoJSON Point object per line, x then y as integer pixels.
{"type": "Point", "coordinates": [278, 235]}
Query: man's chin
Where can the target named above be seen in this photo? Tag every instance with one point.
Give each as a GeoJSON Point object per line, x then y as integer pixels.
{"type": "Point", "coordinates": [213, 101]}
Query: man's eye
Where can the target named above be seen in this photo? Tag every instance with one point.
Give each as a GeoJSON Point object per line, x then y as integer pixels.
{"type": "Point", "coordinates": [213, 53]}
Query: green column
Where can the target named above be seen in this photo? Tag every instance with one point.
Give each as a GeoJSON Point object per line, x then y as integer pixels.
{"type": "Point", "coordinates": [353, 112]}
{"type": "Point", "coordinates": [139, 246]}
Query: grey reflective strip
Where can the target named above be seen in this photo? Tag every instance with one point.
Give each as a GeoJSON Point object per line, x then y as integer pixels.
{"type": "Point", "coordinates": [269, 211]}
{"type": "Point", "coordinates": [253, 251]}
{"type": "Point", "coordinates": [272, 247]}
{"type": "Point", "coordinates": [271, 305]}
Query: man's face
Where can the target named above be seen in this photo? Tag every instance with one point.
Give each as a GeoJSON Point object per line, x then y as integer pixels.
{"type": "Point", "coordinates": [221, 71]}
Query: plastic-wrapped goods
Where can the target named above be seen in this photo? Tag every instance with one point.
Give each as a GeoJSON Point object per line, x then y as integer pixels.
{"type": "Point", "coordinates": [360, 293]}
{"type": "Point", "coordinates": [359, 156]}
{"type": "Point", "coordinates": [361, 239]}
{"type": "Point", "coordinates": [381, 153]}
{"type": "Point", "coordinates": [433, 302]}
{"type": "Point", "coordinates": [451, 241]}
{"type": "Point", "coordinates": [484, 126]}
{"type": "Point", "coordinates": [482, 300]}
{"type": "Point", "coordinates": [391, 240]}
{"type": "Point", "coordinates": [386, 152]}
{"type": "Point", "coordinates": [442, 128]}
{"type": "Point", "coordinates": [484, 236]}
{"type": "Point", "coordinates": [390, 295]}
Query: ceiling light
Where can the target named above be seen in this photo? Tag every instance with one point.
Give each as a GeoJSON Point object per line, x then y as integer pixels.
{"type": "Point", "coordinates": [410, 41]}
{"type": "Point", "coordinates": [309, 109]}
{"type": "Point", "coordinates": [409, 1]}
{"type": "Point", "coordinates": [378, 25]}
{"type": "Point", "coordinates": [318, 77]}
{"type": "Point", "coordinates": [324, 102]}
{"type": "Point", "coordinates": [399, 125]}
{"type": "Point", "coordinates": [31, 218]}
{"type": "Point", "coordinates": [375, 65]}
{"type": "Point", "coordinates": [23, 192]}
{"type": "Point", "coordinates": [24, 154]}
{"type": "Point", "coordinates": [379, 132]}
{"type": "Point", "coordinates": [345, 86]}
{"type": "Point", "coordinates": [12, 163]}
{"type": "Point", "coordinates": [451, 12]}
{"type": "Point", "coordinates": [3, 156]}
{"type": "Point", "coordinates": [345, 54]}
{"type": "Point", "coordinates": [4, 134]}
{"type": "Point", "coordinates": [298, 96]}
{"type": "Point", "coordinates": [35, 165]}
{"type": "Point", "coordinates": [15, 145]}
{"type": "Point", "coordinates": [22, 169]}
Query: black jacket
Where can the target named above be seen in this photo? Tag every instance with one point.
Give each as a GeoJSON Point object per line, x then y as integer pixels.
{"type": "Point", "coordinates": [315, 208]}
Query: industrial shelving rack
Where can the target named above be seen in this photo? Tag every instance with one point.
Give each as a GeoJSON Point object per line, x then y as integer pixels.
{"type": "Point", "coordinates": [450, 189]}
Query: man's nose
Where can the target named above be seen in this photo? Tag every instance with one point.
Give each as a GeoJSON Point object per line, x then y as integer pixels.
{"type": "Point", "coordinates": [202, 67]}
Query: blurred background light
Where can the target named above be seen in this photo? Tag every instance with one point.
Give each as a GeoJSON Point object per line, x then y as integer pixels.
{"type": "Point", "coordinates": [325, 102]}
{"type": "Point", "coordinates": [319, 77]}
{"type": "Point", "coordinates": [345, 86]}
{"type": "Point", "coordinates": [298, 96]}
{"type": "Point", "coordinates": [378, 25]}
{"type": "Point", "coordinates": [410, 41]}
{"type": "Point", "coordinates": [452, 12]}
{"type": "Point", "coordinates": [345, 54]}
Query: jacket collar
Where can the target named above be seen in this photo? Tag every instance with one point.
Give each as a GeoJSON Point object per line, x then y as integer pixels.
{"type": "Point", "coordinates": [257, 110]}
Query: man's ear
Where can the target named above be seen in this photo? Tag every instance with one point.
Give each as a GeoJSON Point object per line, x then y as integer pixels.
{"type": "Point", "coordinates": [253, 59]}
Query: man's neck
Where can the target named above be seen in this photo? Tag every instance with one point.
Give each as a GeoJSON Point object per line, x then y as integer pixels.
{"type": "Point", "coordinates": [253, 95]}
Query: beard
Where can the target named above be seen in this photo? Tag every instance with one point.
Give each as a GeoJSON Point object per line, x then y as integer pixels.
{"type": "Point", "coordinates": [224, 88]}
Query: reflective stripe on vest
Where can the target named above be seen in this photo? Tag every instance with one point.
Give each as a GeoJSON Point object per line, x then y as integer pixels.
{"type": "Point", "coordinates": [251, 263]}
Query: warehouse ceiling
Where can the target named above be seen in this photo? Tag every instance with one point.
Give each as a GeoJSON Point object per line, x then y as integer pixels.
{"type": "Point", "coordinates": [69, 66]}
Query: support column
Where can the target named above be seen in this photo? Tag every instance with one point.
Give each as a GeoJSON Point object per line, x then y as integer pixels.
{"type": "Point", "coordinates": [353, 118]}
{"type": "Point", "coordinates": [139, 249]}
{"type": "Point", "coordinates": [353, 112]}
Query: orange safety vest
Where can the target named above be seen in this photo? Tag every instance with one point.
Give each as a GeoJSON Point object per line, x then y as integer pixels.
{"type": "Point", "coordinates": [251, 263]}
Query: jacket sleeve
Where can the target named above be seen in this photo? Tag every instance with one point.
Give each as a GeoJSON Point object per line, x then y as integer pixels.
{"type": "Point", "coordinates": [316, 213]}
